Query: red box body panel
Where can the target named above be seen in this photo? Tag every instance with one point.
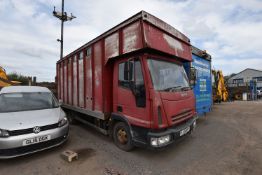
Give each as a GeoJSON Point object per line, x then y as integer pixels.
{"type": "Point", "coordinates": [157, 39]}
{"type": "Point", "coordinates": [85, 75]}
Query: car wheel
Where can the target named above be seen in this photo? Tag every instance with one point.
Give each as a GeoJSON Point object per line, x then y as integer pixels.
{"type": "Point", "coordinates": [122, 136]}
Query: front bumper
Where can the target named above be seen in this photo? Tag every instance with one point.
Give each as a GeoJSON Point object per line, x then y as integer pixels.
{"type": "Point", "coordinates": [11, 147]}
{"type": "Point", "coordinates": [174, 133]}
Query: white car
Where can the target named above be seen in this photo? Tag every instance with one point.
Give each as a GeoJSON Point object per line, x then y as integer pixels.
{"type": "Point", "coordinates": [31, 120]}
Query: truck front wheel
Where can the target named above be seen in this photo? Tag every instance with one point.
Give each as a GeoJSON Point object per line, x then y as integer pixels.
{"type": "Point", "coordinates": [122, 136]}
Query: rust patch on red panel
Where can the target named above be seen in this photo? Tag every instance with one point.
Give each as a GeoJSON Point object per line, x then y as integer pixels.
{"type": "Point", "coordinates": [81, 80]}
{"type": "Point", "coordinates": [69, 68]}
{"type": "Point", "coordinates": [98, 76]}
{"type": "Point", "coordinates": [65, 81]}
{"type": "Point", "coordinates": [89, 79]}
{"type": "Point", "coordinates": [111, 46]}
{"type": "Point", "coordinates": [164, 26]}
{"type": "Point", "coordinates": [61, 81]}
{"type": "Point", "coordinates": [75, 81]}
{"type": "Point", "coordinates": [58, 80]}
{"type": "Point", "coordinates": [173, 43]}
{"type": "Point", "coordinates": [84, 72]}
{"type": "Point", "coordinates": [164, 42]}
{"type": "Point", "coordinates": [77, 92]}
{"type": "Point", "coordinates": [132, 37]}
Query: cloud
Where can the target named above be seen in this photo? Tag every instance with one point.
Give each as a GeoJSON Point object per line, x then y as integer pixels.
{"type": "Point", "coordinates": [25, 8]}
{"type": "Point", "coordinates": [236, 65]}
{"type": "Point", "coordinates": [229, 30]}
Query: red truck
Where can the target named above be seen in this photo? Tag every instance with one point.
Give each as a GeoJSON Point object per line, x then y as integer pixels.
{"type": "Point", "coordinates": [130, 83]}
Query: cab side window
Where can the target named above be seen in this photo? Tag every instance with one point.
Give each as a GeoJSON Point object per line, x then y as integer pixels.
{"type": "Point", "coordinates": [130, 76]}
{"type": "Point", "coordinates": [123, 77]}
{"type": "Point", "coordinates": [139, 85]}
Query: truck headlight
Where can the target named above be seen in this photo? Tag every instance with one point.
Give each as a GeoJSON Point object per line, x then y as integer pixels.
{"type": "Point", "coordinates": [159, 141]}
{"type": "Point", "coordinates": [4, 133]}
{"type": "Point", "coordinates": [62, 122]}
{"type": "Point", "coordinates": [194, 125]}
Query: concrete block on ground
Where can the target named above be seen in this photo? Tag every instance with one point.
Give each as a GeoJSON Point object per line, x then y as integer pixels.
{"type": "Point", "coordinates": [69, 155]}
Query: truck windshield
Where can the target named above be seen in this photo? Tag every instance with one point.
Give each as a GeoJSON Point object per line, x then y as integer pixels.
{"type": "Point", "coordinates": [14, 102]}
{"type": "Point", "coordinates": [167, 76]}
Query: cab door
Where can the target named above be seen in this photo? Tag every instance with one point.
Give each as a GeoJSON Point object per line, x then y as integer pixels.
{"type": "Point", "coordinates": [130, 95]}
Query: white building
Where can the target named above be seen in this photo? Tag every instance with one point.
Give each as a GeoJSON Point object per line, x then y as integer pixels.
{"type": "Point", "coordinates": [245, 76]}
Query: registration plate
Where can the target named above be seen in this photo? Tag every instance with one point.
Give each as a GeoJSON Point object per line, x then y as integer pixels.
{"type": "Point", "coordinates": [36, 140]}
{"type": "Point", "coordinates": [184, 131]}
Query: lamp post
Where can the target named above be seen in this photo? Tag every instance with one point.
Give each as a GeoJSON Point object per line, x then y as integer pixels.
{"type": "Point", "coordinates": [63, 17]}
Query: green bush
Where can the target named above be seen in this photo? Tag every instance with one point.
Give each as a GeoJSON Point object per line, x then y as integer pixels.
{"type": "Point", "coordinates": [18, 77]}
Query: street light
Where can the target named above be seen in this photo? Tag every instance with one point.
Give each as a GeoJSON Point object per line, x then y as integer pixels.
{"type": "Point", "coordinates": [63, 17]}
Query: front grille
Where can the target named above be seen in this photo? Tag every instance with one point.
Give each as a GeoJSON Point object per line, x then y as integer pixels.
{"type": "Point", "coordinates": [30, 130]}
{"type": "Point", "coordinates": [30, 148]}
{"type": "Point", "coordinates": [182, 117]}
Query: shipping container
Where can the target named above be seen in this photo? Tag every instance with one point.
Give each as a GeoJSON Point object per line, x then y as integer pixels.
{"type": "Point", "coordinates": [203, 85]}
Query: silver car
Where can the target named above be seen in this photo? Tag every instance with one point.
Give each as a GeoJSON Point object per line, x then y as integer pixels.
{"type": "Point", "coordinates": [31, 120]}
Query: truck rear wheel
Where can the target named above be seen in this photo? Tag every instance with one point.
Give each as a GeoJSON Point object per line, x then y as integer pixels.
{"type": "Point", "coordinates": [122, 136]}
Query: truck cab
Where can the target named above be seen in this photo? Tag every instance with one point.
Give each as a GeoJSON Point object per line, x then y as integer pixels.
{"type": "Point", "coordinates": [152, 92]}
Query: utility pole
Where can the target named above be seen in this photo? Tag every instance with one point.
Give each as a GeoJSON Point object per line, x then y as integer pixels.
{"type": "Point", "coordinates": [63, 17]}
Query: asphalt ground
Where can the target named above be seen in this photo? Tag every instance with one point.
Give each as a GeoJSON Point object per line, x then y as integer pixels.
{"type": "Point", "coordinates": [226, 141]}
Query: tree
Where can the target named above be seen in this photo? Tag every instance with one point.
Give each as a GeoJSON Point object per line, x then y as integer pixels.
{"type": "Point", "coordinates": [228, 77]}
{"type": "Point", "coordinates": [14, 76]}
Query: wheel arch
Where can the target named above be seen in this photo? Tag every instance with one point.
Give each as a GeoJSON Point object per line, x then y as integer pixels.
{"type": "Point", "coordinates": [115, 117]}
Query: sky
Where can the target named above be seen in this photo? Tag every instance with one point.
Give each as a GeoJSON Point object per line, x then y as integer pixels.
{"type": "Point", "coordinates": [230, 30]}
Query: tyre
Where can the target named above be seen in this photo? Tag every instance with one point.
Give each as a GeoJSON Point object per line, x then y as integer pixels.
{"type": "Point", "coordinates": [122, 136]}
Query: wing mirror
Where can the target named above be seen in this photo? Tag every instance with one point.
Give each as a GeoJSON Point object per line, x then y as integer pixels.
{"type": "Point", "coordinates": [193, 76]}
{"type": "Point", "coordinates": [60, 102]}
{"type": "Point", "coordinates": [128, 70]}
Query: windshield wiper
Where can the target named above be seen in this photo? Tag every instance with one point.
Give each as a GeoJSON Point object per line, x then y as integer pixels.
{"type": "Point", "coordinates": [172, 88]}
{"type": "Point", "coordinates": [185, 88]}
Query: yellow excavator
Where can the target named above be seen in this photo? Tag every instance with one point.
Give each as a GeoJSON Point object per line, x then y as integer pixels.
{"type": "Point", "coordinates": [219, 88]}
{"type": "Point", "coordinates": [4, 81]}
